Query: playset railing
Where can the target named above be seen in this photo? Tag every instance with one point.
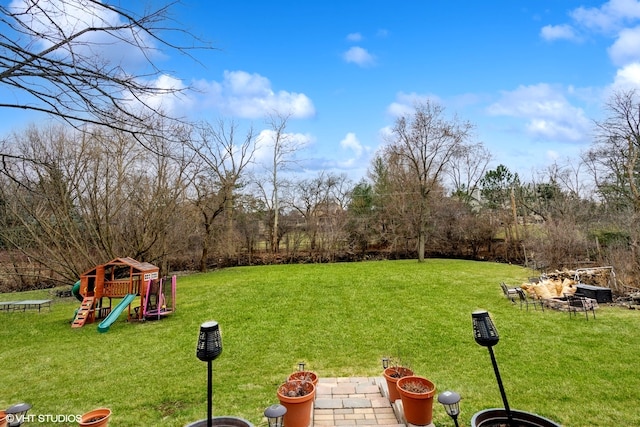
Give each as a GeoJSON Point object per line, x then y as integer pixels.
{"type": "Point", "coordinates": [120, 288]}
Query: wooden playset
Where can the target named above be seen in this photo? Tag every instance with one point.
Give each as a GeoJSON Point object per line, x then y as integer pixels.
{"type": "Point", "coordinates": [125, 279]}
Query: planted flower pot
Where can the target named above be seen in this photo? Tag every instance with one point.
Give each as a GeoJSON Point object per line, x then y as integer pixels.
{"type": "Point", "coordinates": [392, 374]}
{"type": "Point", "coordinates": [222, 422]}
{"type": "Point", "coordinates": [417, 399]}
{"type": "Point", "coordinates": [497, 417]}
{"type": "Point", "coordinates": [304, 376]}
{"type": "Point", "coordinates": [96, 418]}
{"type": "Point", "coordinates": [297, 396]}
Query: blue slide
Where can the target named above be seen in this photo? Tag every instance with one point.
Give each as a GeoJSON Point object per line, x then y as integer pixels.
{"type": "Point", "coordinates": [115, 313]}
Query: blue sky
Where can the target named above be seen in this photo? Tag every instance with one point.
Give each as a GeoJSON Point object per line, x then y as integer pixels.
{"type": "Point", "coordinates": [531, 75]}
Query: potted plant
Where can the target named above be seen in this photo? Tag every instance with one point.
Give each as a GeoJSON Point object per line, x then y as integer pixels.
{"type": "Point", "coordinates": [496, 417]}
{"type": "Point", "coordinates": [392, 373]}
{"type": "Point", "coordinates": [416, 393]}
{"type": "Point", "coordinates": [297, 396]}
{"type": "Point", "coordinates": [304, 376]}
{"type": "Point", "coordinates": [96, 418]}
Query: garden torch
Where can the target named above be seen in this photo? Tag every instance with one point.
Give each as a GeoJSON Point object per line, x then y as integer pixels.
{"type": "Point", "coordinates": [485, 334]}
{"type": "Point", "coordinates": [209, 347]}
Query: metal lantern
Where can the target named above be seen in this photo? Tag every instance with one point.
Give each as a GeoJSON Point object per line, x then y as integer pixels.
{"type": "Point", "coordinates": [275, 415]}
{"type": "Point", "coordinates": [451, 402]}
{"type": "Point", "coordinates": [209, 341]}
{"type": "Point", "coordinates": [209, 347]}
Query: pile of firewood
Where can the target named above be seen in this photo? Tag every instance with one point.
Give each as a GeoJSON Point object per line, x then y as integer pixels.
{"type": "Point", "coordinates": [550, 288]}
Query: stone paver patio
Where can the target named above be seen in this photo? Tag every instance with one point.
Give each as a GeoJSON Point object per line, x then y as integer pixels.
{"type": "Point", "coordinates": [355, 402]}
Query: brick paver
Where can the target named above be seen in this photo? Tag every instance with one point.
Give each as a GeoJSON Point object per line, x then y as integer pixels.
{"type": "Point", "coordinates": [354, 402]}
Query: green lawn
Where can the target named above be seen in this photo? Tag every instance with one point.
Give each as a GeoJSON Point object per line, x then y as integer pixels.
{"type": "Point", "coordinates": [340, 319]}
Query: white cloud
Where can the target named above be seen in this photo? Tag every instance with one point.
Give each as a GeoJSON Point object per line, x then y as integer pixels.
{"type": "Point", "coordinates": [386, 133]}
{"type": "Point", "coordinates": [547, 112]}
{"type": "Point", "coordinates": [626, 48]}
{"type": "Point", "coordinates": [553, 155]}
{"type": "Point", "coordinates": [361, 153]}
{"type": "Point", "coordinates": [170, 99]}
{"type": "Point", "coordinates": [359, 56]}
{"type": "Point", "coordinates": [354, 37]}
{"type": "Point", "coordinates": [558, 32]}
{"type": "Point", "coordinates": [609, 17]}
{"type": "Point", "coordinates": [250, 96]}
{"type": "Point", "coordinates": [405, 103]}
{"type": "Point", "coordinates": [617, 19]}
{"type": "Point", "coordinates": [399, 109]}
{"type": "Point", "coordinates": [627, 77]}
{"type": "Point", "coordinates": [351, 142]}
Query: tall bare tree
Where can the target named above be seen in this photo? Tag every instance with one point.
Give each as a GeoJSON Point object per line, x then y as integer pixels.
{"type": "Point", "coordinates": [420, 150]}
{"type": "Point", "coordinates": [614, 158]}
{"type": "Point", "coordinates": [468, 167]}
{"type": "Point", "coordinates": [282, 146]}
{"type": "Point", "coordinates": [67, 58]}
{"type": "Point", "coordinates": [223, 158]}
{"type": "Point", "coordinates": [614, 162]}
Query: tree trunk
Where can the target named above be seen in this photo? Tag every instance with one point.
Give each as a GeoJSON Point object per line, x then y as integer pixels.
{"type": "Point", "coordinates": [422, 239]}
{"type": "Point", "coordinates": [205, 247]}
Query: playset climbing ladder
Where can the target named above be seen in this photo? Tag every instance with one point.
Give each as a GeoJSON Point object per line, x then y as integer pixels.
{"type": "Point", "coordinates": [86, 311]}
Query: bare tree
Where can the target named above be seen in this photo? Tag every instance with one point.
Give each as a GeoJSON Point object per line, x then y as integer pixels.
{"type": "Point", "coordinates": [65, 58]}
{"type": "Point", "coordinates": [468, 167]}
{"type": "Point", "coordinates": [223, 159]}
{"type": "Point", "coordinates": [322, 202]}
{"type": "Point", "coordinates": [614, 162]}
{"type": "Point", "coordinates": [614, 158]}
{"type": "Point", "coordinates": [420, 151]}
{"type": "Point", "coordinates": [84, 198]}
{"type": "Point", "coordinates": [283, 146]}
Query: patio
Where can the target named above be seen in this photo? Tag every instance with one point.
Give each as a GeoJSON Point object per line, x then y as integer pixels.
{"type": "Point", "coordinates": [355, 402]}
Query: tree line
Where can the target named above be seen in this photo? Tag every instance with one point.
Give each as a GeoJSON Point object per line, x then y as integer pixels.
{"type": "Point", "coordinates": [119, 176]}
{"type": "Point", "coordinates": [195, 199]}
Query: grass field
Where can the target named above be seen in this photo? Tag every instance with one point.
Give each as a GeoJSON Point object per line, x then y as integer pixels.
{"type": "Point", "coordinates": [340, 319]}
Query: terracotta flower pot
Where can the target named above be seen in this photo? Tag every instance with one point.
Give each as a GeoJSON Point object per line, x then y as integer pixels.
{"type": "Point", "coordinates": [417, 399]}
{"type": "Point", "coordinates": [96, 418]}
{"type": "Point", "coordinates": [3, 419]}
{"type": "Point", "coordinates": [498, 417]}
{"type": "Point", "coordinates": [304, 376]}
{"type": "Point", "coordinates": [298, 407]}
{"type": "Point", "coordinates": [392, 374]}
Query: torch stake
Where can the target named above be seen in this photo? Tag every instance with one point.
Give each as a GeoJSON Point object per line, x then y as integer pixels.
{"type": "Point", "coordinates": [504, 396]}
{"type": "Point", "coordinates": [209, 394]}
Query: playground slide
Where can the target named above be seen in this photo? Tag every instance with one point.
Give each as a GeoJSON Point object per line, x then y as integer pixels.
{"type": "Point", "coordinates": [76, 291]}
{"type": "Point", "coordinates": [115, 313]}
